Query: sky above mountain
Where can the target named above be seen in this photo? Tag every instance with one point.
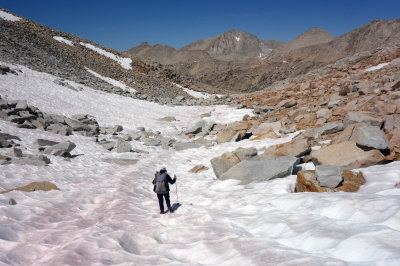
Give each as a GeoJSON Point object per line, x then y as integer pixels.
{"type": "Point", "coordinates": [122, 24]}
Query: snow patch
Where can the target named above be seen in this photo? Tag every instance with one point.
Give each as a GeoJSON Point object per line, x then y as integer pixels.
{"type": "Point", "coordinates": [123, 61]}
{"type": "Point", "coordinates": [113, 82]}
{"type": "Point", "coordinates": [237, 38]}
{"type": "Point", "coordinates": [376, 67]}
{"type": "Point", "coordinates": [195, 94]}
{"type": "Point", "coordinates": [63, 40]}
{"type": "Point", "coordinates": [7, 16]}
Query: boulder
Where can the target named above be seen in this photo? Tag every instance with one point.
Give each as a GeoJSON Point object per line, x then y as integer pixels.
{"type": "Point", "coordinates": [324, 113]}
{"type": "Point", "coordinates": [77, 125]}
{"type": "Point", "coordinates": [296, 148]}
{"type": "Point", "coordinates": [39, 123]}
{"type": "Point", "coordinates": [287, 103]}
{"type": "Point", "coordinates": [226, 135]}
{"type": "Point", "coordinates": [168, 119]}
{"type": "Point", "coordinates": [198, 169]}
{"type": "Point", "coordinates": [266, 128]}
{"type": "Point", "coordinates": [262, 170]}
{"type": "Point", "coordinates": [347, 133]}
{"type": "Point", "coordinates": [125, 137]}
{"type": "Point", "coordinates": [179, 146]}
{"type": "Point", "coordinates": [21, 105]}
{"type": "Point", "coordinates": [122, 146]}
{"type": "Point", "coordinates": [37, 160]}
{"type": "Point", "coordinates": [347, 155]}
{"type": "Point", "coordinates": [121, 161]}
{"type": "Point", "coordinates": [262, 109]}
{"type": "Point", "coordinates": [329, 175]}
{"type": "Point", "coordinates": [200, 126]}
{"type": "Point", "coordinates": [45, 142]}
{"type": "Point", "coordinates": [307, 182]}
{"type": "Point", "coordinates": [223, 163]}
{"type": "Point", "coordinates": [60, 129]}
{"type": "Point", "coordinates": [34, 186]}
{"type": "Point", "coordinates": [108, 145]}
{"type": "Point", "coordinates": [369, 118]}
{"type": "Point", "coordinates": [246, 153]}
{"type": "Point", "coordinates": [15, 152]}
{"type": "Point", "coordinates": [391, 122]}
{"type": "Point", "coordinates": [60, 149]}
{"type": "Point", "coordinates": [151, 142]}
{"type": "Point", "coordinates": [371, 137]}
{"type": "Point", "coordinates": [329, 128]}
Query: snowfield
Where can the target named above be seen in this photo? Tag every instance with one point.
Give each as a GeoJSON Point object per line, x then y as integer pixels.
{"type": "Point", "coordinates": [111, 81]}
{"type": "Point", "coordinates": [123, 61]}
{"type": "Point", "coordinates": [7, 16]}
{"type": "Point", "coordinates": [106, 213]}
{"type": "Point", "coordinates": [63, 40]}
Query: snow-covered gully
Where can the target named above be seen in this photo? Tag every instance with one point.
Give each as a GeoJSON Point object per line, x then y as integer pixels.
{"type": "Point", "coordinates": [108, 214]}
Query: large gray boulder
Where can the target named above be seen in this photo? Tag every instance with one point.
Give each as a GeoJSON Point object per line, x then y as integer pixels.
{"type": "Point", "coordinates": [122, 146]}
{"type": "Point", "coordinates": [246, 154]}
{"type": "Point", "coordinates": [223, 163]}
{"type": "Point", "coordinates": [152, 142]}
{"type": "Point", "coordinates": [329, 175]}
{"type": "Point", "coordinates": [329, 128]}
{"type": "Point", "coordinates": [108, 145]}
{"type": "Point", "coordinates": [369, 118]}
{"type": "Point", "coordinates": [60, 129]}
{"type": "Point", "coordinates": [200, 126]}
{"type": "Point", "coordinates": [262, 170]}
{"type": "Point", "coordinates": [77, 125]}
{"type": "Point", "coordinates": [371, 137]}
{"type": "Point", "coordinates": [45, 142]}
{"type": "Point", "coordinates": [21, 105]}
{"type": "Point", "coordinates": [60, 149]}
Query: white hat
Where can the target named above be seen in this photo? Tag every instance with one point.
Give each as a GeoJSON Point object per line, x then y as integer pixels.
{"type": "Point", "coordinates": [163, 167]}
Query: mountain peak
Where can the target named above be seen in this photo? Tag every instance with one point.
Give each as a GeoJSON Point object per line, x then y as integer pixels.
{"type": "Point", "coordinates": [310, 37]}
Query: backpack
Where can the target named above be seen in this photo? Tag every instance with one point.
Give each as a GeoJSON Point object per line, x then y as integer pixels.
{"type": "Point", "coordinates": [160, 180]}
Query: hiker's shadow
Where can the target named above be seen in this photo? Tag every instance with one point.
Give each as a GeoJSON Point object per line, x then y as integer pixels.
{"type": "Point", "coordinates": [176, 206]}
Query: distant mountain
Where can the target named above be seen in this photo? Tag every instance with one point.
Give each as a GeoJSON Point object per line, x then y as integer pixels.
{"type": "Point", "coordinates": [312, 36]}
{"type": "Point", "coordinates": [231, 45]}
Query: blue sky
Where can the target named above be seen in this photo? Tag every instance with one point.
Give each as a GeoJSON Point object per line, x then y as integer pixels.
{"type": "Point", "coordinates": [122, 24]}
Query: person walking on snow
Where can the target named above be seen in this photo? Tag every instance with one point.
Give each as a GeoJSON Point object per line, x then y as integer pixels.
{"type": "Point", "coordinates": [161, 187]}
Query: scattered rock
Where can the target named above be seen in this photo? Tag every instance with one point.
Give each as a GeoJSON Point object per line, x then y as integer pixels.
{"type": "Point", "coordinates": [329, 128]}
{"type": "Point", "coordinates": [371, 137]}
{"type": "Point", "coordinates": [329, 175]}
{"type": "Point", "coordinates": [347, 155]}
{"type": "Point", "coordinates": [223, 163]}
{"type": "Point", "coordinates": [266, 128]}
{"type": "Point", "coordinates": [122, 146]}
{"type": "Point", "coordinates": [198, 169]}
{"type": "Point", "coordinates": [121, 161]}
{"type": "Point", "coordinates": [261, 170]}
{"type": "Point", "coordinates": [307, 182]}
{"type": "Point", "coordinates": [12, 202]}
{"type": "Point", "coordinates": [296, 148]}
{"type": "Point", "coordinates": [369, 118]}
{"type": "Point", "coordinates": [15, 152]}
{"type": "Point", "coordinates": [34, 186]}
{"type": "Point", "coordinates": [168, 119]}
{"type": "Point", "coordinates": [60, 149]}
{"type": "Point", "coordinates": [151, 142]}
{"type": "Point", "coordinates": [246, 154]}
{"type": "Point", "coordinates": [179, 146]}
{"type": "Point", "coordinates": [45, 142]}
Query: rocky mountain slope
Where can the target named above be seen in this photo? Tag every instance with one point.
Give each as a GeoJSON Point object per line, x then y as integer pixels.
{"type": "Point", "coordinates": [68, 56]}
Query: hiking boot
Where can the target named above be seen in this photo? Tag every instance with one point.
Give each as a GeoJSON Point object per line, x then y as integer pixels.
{"type": "Point", "coordinates": [162, 212]}
{"type": "Point", "coordinates": [170, 209]}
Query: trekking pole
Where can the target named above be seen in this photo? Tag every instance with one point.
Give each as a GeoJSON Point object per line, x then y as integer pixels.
{"type": "Point", "coordinates": [176, 186]}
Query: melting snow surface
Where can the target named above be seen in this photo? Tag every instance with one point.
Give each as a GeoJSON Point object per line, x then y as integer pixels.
{"type": "Point", "coordinates": [376, 67]}
{"type": "Point", "coordinates": [107, 214]}
{"type": "Point", "coordinates": [123, 61]}
{"type": "Point", "coordinates": [8, 16]}
{"type": "Point", "coordinates": [195, 94]}
{"type": "Point", "coordinates": [63, 40]}
{"type": "Point", "coordinates": [237, 38]}
{"type": "Point", "coordinates": [110, 80]}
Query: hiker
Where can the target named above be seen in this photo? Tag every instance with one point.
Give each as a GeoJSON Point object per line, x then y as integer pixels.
{"type": "Point", "coordinates": [161, 187]}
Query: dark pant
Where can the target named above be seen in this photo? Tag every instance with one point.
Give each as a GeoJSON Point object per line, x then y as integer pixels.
{"type": "Point", "coordinates": [161, 201]}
